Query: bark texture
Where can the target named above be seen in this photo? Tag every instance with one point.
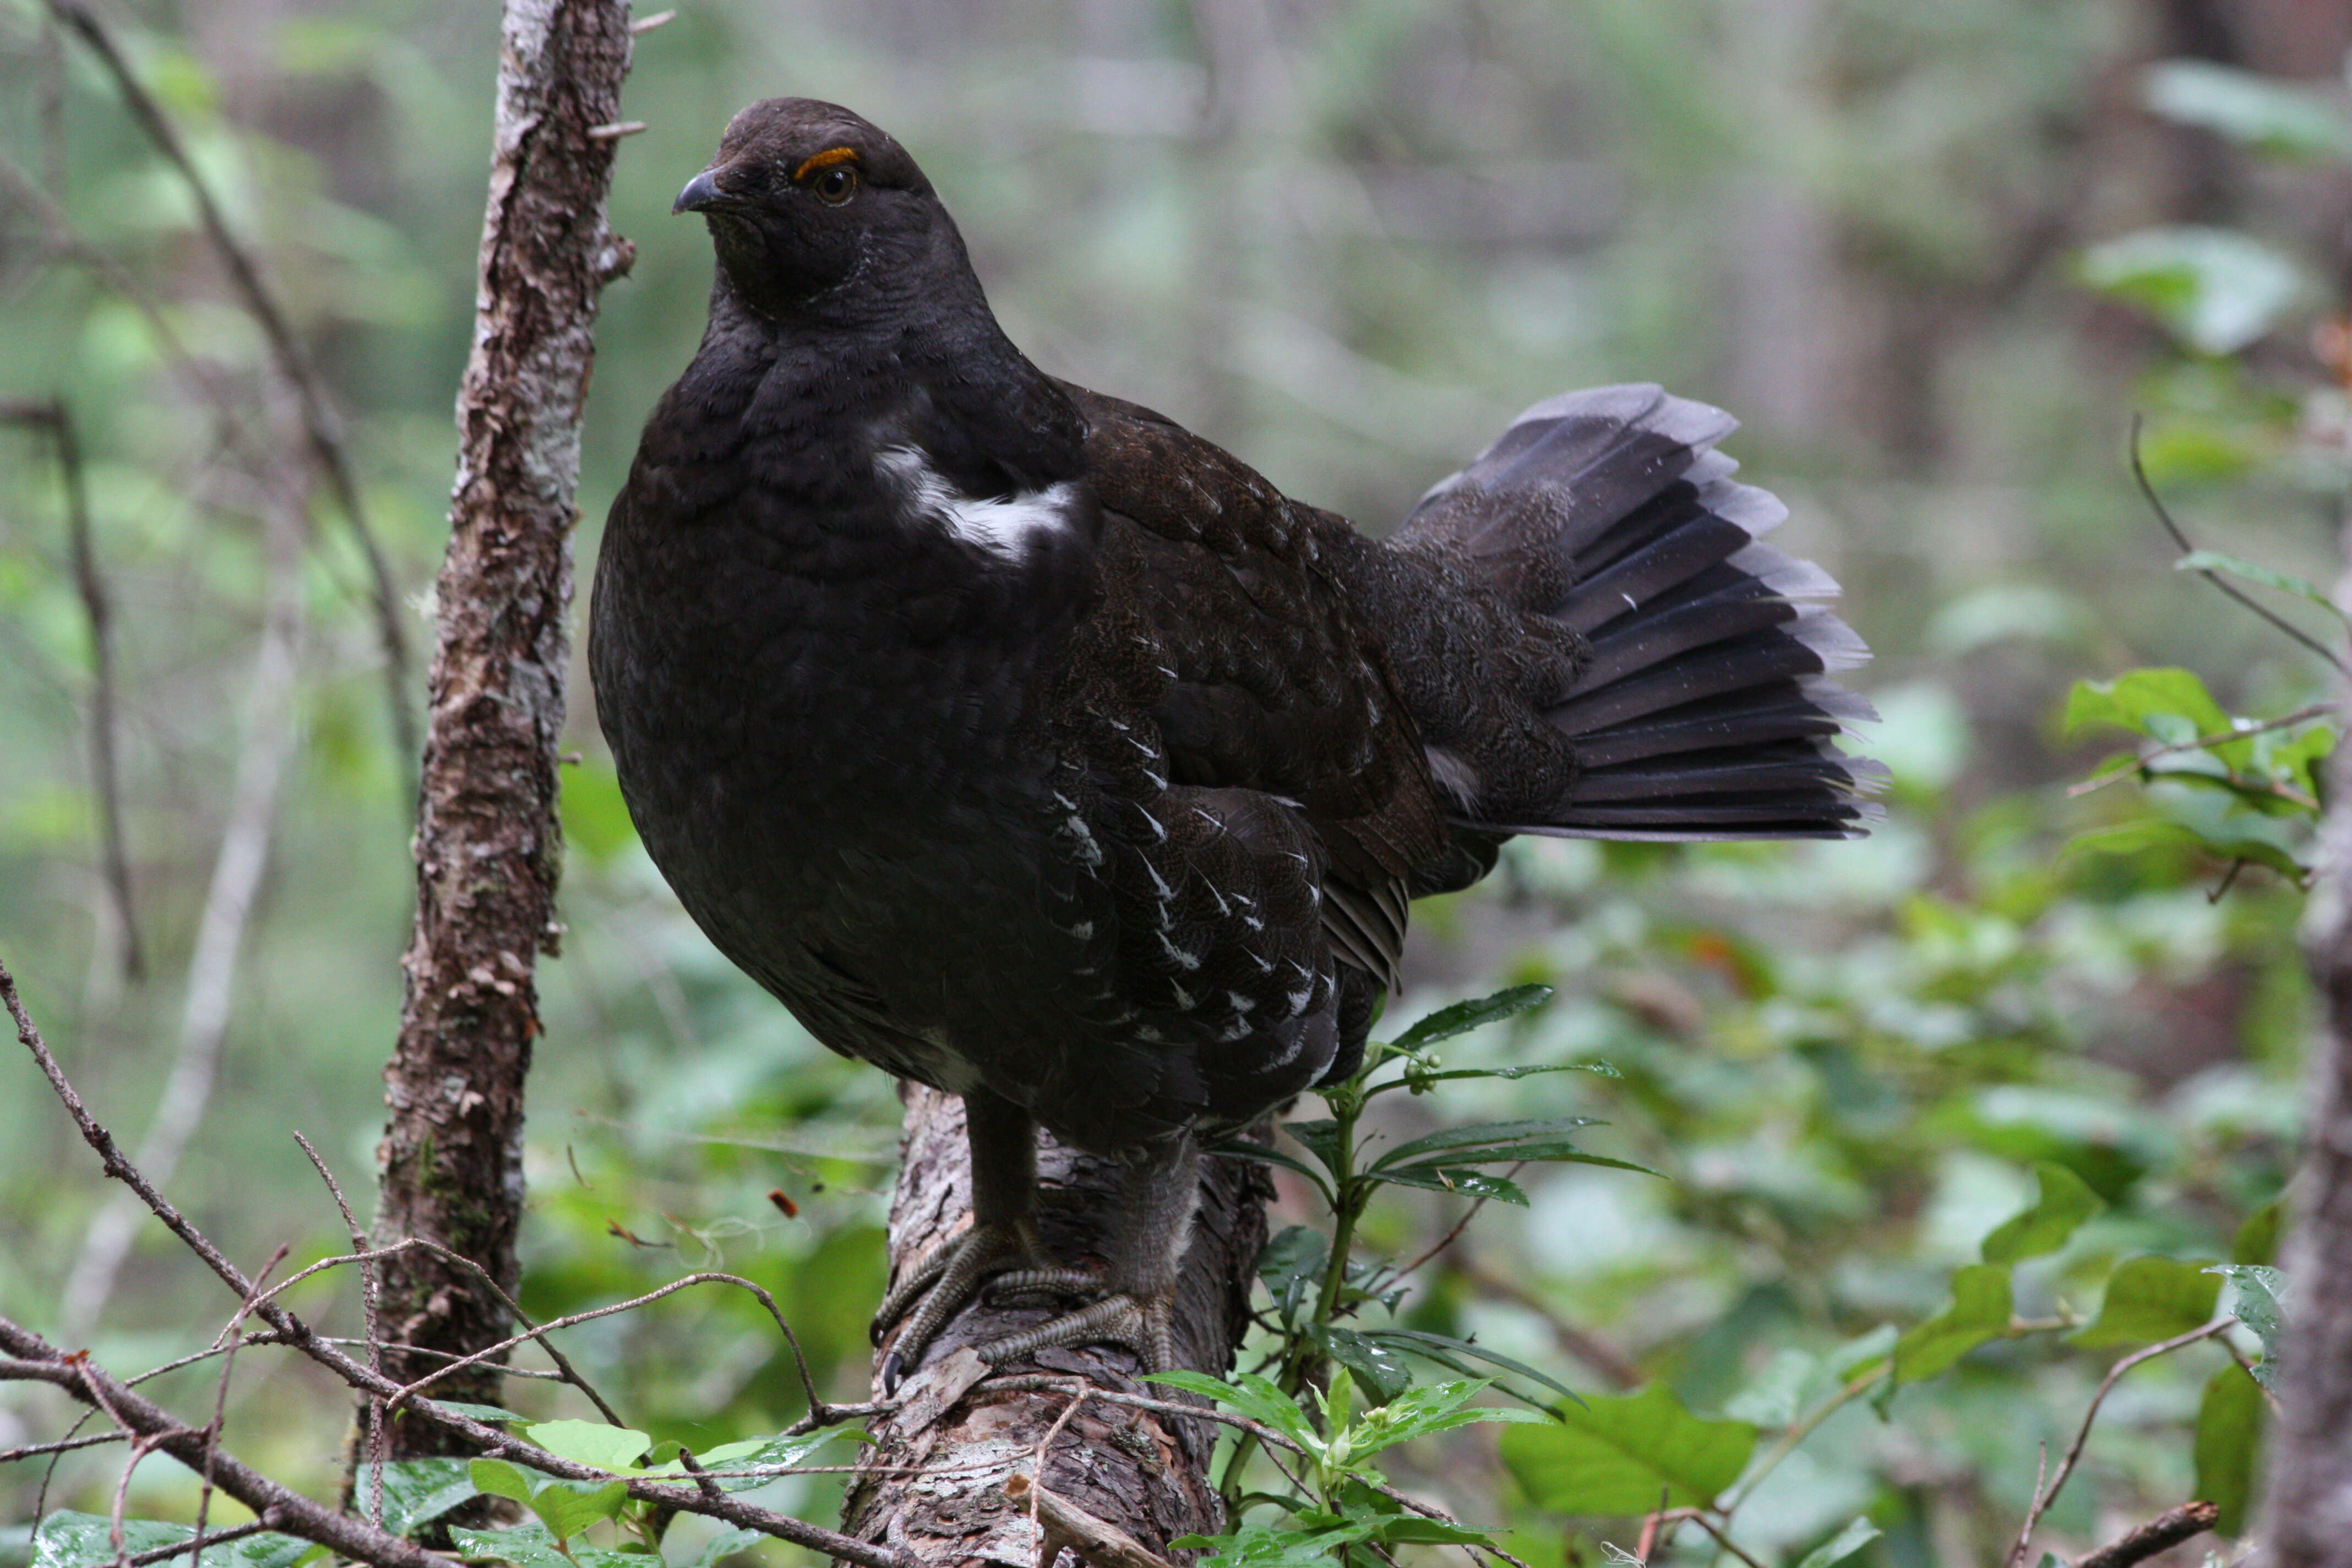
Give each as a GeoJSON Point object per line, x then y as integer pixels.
{"type": "Point", "coordinates": [934, 1483]}
{"type": "Point", "coordinates": [488, 849]}
{"type": "Point", "coordinates": [2310, 1505]}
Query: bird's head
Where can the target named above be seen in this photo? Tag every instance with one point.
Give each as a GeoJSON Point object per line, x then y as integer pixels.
{"type": "Point", "coordinates": [805, 197]}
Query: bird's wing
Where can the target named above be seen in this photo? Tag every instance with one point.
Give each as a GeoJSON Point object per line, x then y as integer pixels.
{"type": "Point", "coordinates": [1221, 621]}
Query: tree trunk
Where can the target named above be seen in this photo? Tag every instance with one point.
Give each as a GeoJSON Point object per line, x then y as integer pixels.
{"type": "Point", "coordinates": [2310, 1506]}
{"type": "Point", "coordinates": [488, 848]}
{"type": "Point", "coordinates": [934, 1483]}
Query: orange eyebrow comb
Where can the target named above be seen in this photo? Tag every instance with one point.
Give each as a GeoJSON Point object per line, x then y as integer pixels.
{"type": "Point", "coordinates": [826, 159]}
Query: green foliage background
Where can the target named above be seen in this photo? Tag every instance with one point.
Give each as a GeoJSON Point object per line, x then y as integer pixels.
{"type": "Point", "coordinates": [1937, 256]}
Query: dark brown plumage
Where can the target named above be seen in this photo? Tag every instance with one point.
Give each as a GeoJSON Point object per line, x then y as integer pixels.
{"type": "Point", "coordinates": [1025, 745]}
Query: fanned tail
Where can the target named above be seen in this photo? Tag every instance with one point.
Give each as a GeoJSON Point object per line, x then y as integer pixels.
{"type": "Point", "coordinates": [1704, 709]}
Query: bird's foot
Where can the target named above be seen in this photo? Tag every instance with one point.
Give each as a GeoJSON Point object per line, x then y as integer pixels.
{"type": "Point", "coordinates": [1007, 1253]}
{"type": "Point", "coordinates": [1137, 1320]}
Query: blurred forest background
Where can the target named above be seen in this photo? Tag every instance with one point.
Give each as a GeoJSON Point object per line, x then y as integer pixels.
{"type": "Point", "coordinates": [1936, 255]}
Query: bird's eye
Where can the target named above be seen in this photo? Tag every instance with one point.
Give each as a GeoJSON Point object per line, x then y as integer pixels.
{"type": "Point", "coordinates": [836, 185]}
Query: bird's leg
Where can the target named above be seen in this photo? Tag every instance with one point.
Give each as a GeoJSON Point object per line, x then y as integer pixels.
{"type": "Point", "coordinates": [1004, 1234]}
{"type": "Point", "coordinates": [1150, 1234]}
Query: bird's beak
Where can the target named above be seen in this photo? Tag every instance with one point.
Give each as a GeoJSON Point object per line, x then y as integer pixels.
{"type": "Point", "coordinates": [702, 191]}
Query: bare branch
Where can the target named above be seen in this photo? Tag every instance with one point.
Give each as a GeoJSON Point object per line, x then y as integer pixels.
{"type": "Point", "coordinates": [195, 1543]}
{"type": "Point", "coordinates": [2165, 1531]}
{"type": "Point", "coordinates": [233, 1335]}
{"type": "Point", "coordinates": [2303, 715]}
{"type": "Point", "coordinates": [2044, 1496]}
{"type": "Point", "coordinates": [2164, 515]}
{"type": "Point", "coordinates": [321, 427]}
{"type": "Point", "coordinates": [62, 1446]}
{"type": "Point", "coordinates": [155, 1428]}
{"type": "Point", "coordinates": [372, 1439]}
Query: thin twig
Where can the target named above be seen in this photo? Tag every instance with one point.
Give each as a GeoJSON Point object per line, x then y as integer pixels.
{"type": "Point", "coordinates": [2156, 503]}
{"type": "Point", "coordinates": [701, 1476]}
{"type": "Point", "coordinates": [488, 1439]}
{"type": "Point", "coordinates": [220, 929]}
{"type": "Point", "coordinates": [1450, 1237]}
{"type": "Point", "coordinates": [62, 1446]}
{"type": "Point", "coordinates": [1592, 1351]}
{"type": "Point", "coordinates": [1045, 1445]}
{"type": "Point", "coordinates": [1722, 1539]}
{"type": "Point", "coordinates": [2044, 1497]}
{"type": "Point", "coordinates": [2206, 743]}
{"type": "Point", "coordinates": [106, 776]}
{"type": "Point", "coordinates": [321, 428]}
{"type": "Point", "coordinates": [156, 1428]}
{"type": "Point", "coordinates": [378, 1435]}
{"type": "Point", "coordinates": [1855, 1387]}
{"type": "Point", "coordinates": [198, 1543]}
{"type": "Point", "coordinates": [1028, 1383]}
{"type": "Point", "coordinates": [235, 1336]}
{"type": "Point", "coordinates": [539, 1330]}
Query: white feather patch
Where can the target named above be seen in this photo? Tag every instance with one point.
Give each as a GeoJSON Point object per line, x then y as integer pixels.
{"type": "Point", "coordinates": [1005, 524]}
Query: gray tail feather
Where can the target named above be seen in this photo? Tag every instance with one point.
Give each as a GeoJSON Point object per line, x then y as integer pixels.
{"type": "Point", "coordinates": [1705, 709]}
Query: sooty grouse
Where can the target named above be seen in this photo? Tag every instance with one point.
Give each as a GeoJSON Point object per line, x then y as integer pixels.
{"type": "Point", "coordinates": [1026, 745]}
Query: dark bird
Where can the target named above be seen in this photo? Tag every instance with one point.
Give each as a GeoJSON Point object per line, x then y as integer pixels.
{"type": "Point", "coordinates": [1024, 743]}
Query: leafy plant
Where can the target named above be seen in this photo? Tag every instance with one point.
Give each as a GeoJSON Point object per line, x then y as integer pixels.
{"type": "Point", "coordinates": [1343, 1505]}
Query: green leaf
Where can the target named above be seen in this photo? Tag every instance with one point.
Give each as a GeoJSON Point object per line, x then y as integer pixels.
{"type": "Point", "coordinates": [1979, 1313]}
{"type": "Point", "coordinates": [490, 1414]}
{"type": "Point", "coordinates": [2063, 1203]}
{"type": "Point", "coordinates": [1555, 1152]}
{"type": "Point", "coordinates": [1435, 1178]}
{"type": "Point", "coordinates": [591, 1443]}
{"type": "Point", "coordinates": [1446, 1351]}
{"type": "Point", "coordinates": [1292, 1265]}
{"type": "Point", "coordinates": [1433, 1408]}
{"type": "Point", "coordinates": [1411, 1528]}
{"type": "Point", "coordinates": [1419, 1081]}
{"type": "Point", "coordinates": [415, 1491]}
{"type": "Point", "coordinates": [1320, 1138]}
{"type": "Point", "coordinates": [567, 1508]}
{"type": "Point", "coordinates": [1464, 1016]}
{"type": "Point", "coordinates": [1856, 1535]}
{"type": "Point", "coordinates": [70, 1539]}
{"type": "Point", "coordinates": [2262, 112]}
{"type": "Point", "coordinates": [1251, 1396]}
{"type": "Point", "coordinates": [2229, 1429]}
{"type": "Point", "coordinates": [1498, 1137]}
{"type": "Point", "coordinates": [2131, 700]}
{"type": "Point", "coordinates": [2215, 290]}
{"type": "Point", "coordinates": [531, 1546]}
{"type": "Point", "coordinates": [1375, 1364]}
{"type": "Point", "coordinates": [2151, 1298]}
{"type": "Point", "coordinates": [501, 1478]}
{"type": "Point", "coordinates": [1265, 1546]}
{"type": "Point", "coordinates": [726, 1544]}
{"type": "Point", "coordinates": [1242, 1149]}
{"type": "Point", "coordinates": [759, 1453]}
{"type": "Point", "coordinates": [1615, 1454]}
{"type": "Point", "coordinates": [2257, 1306]}
{"type": "Point", "coordinates": [2254, 572]}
